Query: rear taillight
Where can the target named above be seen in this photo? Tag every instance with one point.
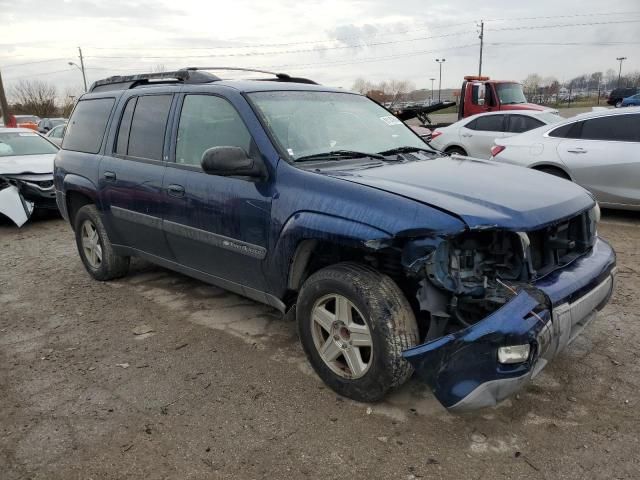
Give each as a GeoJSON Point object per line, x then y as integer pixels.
{"type": "Point", "coordinates": [496, 149]}
{"type": "Point", "coordinates": [435, 133]}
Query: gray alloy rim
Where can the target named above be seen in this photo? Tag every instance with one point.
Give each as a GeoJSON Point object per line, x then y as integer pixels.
{"type": "Point", "coordinates": [91, 244]}
{"type": "Point", "coordinates": [341, 336]}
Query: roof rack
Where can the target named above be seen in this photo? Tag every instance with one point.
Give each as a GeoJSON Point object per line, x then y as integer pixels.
{"type": "Point", "coordinates": [189, 75]}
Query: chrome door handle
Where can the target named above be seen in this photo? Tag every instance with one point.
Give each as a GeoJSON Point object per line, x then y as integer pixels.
{"type": "Point", "coordinates": [109, 176]}
{"type": "Point", "coordinates": [466, 135]}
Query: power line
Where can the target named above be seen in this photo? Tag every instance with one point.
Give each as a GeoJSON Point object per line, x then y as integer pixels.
{"type": "Point", "coordinates": [279, 52]}
{"type": "Point", "coordinates": [562, 25]}
{"type": "Point", "coordinates": [33, 63]}
{"type": "Point", "coordinates": [554, 17]}
{"type": "Point", "coordinates": [41, 73]}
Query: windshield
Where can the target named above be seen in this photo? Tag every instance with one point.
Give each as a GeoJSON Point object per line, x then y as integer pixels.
{"type": "Point", "coordinates": [24, 143]}
{"type": "Point", "coordinates": [510, 93]}
{"type": "Point", "coordinates": [313, 123]}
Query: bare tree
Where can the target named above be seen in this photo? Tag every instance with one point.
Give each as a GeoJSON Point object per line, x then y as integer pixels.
{"type": "Point", "coordinates": [531, 83]}
{"type": "Point", "coordinates": [68, 100]}
{"type": "Point", "coordinates": [35, 97]}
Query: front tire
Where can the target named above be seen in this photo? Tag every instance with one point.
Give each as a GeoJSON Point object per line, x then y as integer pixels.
{"type": "Point", "coordinates": [95, 248]}
{"type": "Point", "coordinates": [456, 151]}
{"type": "Point", "coordinates": [354, 323]}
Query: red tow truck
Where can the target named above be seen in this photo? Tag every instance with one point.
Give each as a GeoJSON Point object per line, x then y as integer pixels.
{"type": "Point", "coordinates": [481, 94]}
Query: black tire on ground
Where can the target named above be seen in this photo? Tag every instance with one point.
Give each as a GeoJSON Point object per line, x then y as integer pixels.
{"type": "Point", "coordinates": [456, 151]}
{"type": "Point", "coordinates": [387, 314]}
{"type": "Point", "coordinates": [556, 172]}
{"type": "Point", "coordinates": [111, 266]}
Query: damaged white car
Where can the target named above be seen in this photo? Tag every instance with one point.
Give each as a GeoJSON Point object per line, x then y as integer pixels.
{"type": "Point", "coordinates": [26, 173]}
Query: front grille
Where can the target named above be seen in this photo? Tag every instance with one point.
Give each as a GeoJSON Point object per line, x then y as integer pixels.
{"type": "Point", "coordinates": [559, 244]}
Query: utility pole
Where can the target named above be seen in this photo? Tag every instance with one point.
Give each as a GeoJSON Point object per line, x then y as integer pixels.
{"type": "Point", "coordinates": [481, 37]}
{"type": "Point", "coordinates": [620, 59]}
{"type": "Point", "coordinates": [440, 62]}
{"type": "Point", "coordinates": [432, 80]}
{"type": "Point", "coordinates": [84, 76]}
{"type": "Point", "coordinates": [4, 105]}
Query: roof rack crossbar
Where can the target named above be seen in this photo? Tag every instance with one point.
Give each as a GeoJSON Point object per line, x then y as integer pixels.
{"type": "Point", "coordinates": [283, 77]}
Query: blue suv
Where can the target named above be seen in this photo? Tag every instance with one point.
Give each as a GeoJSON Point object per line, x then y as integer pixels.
{"type": "Point", "coordinates": [397, 258]}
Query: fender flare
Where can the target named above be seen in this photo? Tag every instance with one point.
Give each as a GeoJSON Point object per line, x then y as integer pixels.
{"type": "Point", "coordinates": [301, 233]}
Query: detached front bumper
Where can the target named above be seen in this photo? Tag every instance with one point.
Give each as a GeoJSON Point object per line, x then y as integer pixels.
{"type": "Point", "coordinates": [463, 368]}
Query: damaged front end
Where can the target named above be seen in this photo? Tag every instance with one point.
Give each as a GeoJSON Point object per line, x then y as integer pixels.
{"type": "Point", "coordinates": [497, 305]}
{"type": "Point", "coordinates": [12, 203]}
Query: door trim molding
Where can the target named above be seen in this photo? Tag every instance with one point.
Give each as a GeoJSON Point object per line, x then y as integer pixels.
{"type": "Point", "coordinates": [220, 241]}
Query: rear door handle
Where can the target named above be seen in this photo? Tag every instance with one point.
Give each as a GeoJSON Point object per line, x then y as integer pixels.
{"type": "Point", "coordinates": [175, 190]}
{"type": "Point", "coordinates": [466, 135]}
{"type": "Point", "coordinates": [577, 150]}
{"type": "Point", "coordinates": [109, 176]}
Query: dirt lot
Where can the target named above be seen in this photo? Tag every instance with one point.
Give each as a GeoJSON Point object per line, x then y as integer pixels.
{"type": "Point", "coordinates": [216, 386]}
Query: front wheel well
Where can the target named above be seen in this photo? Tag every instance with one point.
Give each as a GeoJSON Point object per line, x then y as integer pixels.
{"type": "Point", "coordinates": [75, 201]}
{"type": "Point", "coordinates": [314, 255]}
{"type": "Point", "coordinates": [455, 149]}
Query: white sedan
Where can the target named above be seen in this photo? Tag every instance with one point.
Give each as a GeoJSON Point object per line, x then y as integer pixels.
{"type": "Point", "coordinates": [597, 150]}
{"type": "Point", "coordinates": [474, 136]}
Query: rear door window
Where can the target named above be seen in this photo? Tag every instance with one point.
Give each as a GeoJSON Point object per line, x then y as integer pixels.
{"type": "Point", "coordinates": [522, 123]}
{"type": "Point", "coordinates": [86, 127]}
{"type": "Point", "coordinates": [613, 128]}
{"type": "Point", "coordinates": [489, 123]}
{"type": "Point", "coordinates": [569, 130]}
{"type": "Point", "coordinates": [146, 136]}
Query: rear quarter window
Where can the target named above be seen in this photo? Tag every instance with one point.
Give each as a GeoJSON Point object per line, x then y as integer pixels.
{"type": "Point", "coordinates": [87, 125]}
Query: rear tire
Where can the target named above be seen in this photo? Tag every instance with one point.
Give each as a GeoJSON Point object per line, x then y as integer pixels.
{"type": "Point", "coordinates": [94, 246]}
{"type": "Point", "coordinates": [357, 317]}
{"type": "Point", "coordinates": [556, 172]}
{"type": "Point", "coordinates": [456, 151]}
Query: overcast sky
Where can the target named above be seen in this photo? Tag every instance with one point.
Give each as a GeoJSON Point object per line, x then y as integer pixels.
{"type": "Point", "coordinates": [331, 41]}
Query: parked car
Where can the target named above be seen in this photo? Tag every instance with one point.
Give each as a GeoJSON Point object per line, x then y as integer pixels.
{"type": "Point", "coordinates": [27, 121]}
{"type": "Point", "coordinates": [632, 101]}
{"type": "Point", "coordinates": [474, 135]}
{"type": "Point", "coordinates": [599, 150]}
{"type": "Point", "coordinates": [396, 257]}
{"type": "Point", "coordinates": [56, 134]}
{"type": "Point", "coordinates": [47, 124]}
{"type": "Point", "coordinates": [618, 94]}
{"type": "Point", "coordinates": [26, 173]}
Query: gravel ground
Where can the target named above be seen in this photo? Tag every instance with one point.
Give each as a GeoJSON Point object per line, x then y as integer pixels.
{"type": "Point", "coordinates": [161, 376]}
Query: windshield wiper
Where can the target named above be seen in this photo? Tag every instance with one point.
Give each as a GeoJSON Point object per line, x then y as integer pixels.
{"type": "Point", "coordinates": [337, 155]}
{"type": "Point", "coordinates": [406, 149]}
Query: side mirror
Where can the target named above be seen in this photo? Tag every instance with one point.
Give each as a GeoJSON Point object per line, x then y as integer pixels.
{"type": "Point", "coordinates": [231, 162]}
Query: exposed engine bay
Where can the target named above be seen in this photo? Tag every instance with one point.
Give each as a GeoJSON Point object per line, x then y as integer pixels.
{"type": "Point", "coordinates": [466, 278]}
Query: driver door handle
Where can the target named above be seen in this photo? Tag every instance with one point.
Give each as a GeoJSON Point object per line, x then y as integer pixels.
{"type": "Point", "coordinates": [577, 150]}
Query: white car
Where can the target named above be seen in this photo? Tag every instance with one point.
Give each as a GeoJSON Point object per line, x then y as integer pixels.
{"type": "Point", "coordinates": [598, 150]}
{"type": "Point", "coordinates": [473, 136]}
{"type": "Point", "coordinates": [56, 134]}
{"type": "Point", "coordinates": [26, 173]}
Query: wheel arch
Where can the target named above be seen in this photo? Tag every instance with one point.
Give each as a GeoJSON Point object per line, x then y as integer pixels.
{"type": "Point", "coordinates": [78, 192]}
{"type": "Point", "coordinates": [544, 165]}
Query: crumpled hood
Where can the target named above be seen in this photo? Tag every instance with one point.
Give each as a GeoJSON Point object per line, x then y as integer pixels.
{"type": "Point", "coordinates": [484, 194]}
{"type": "Point", "coordinates": [15, 165]}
